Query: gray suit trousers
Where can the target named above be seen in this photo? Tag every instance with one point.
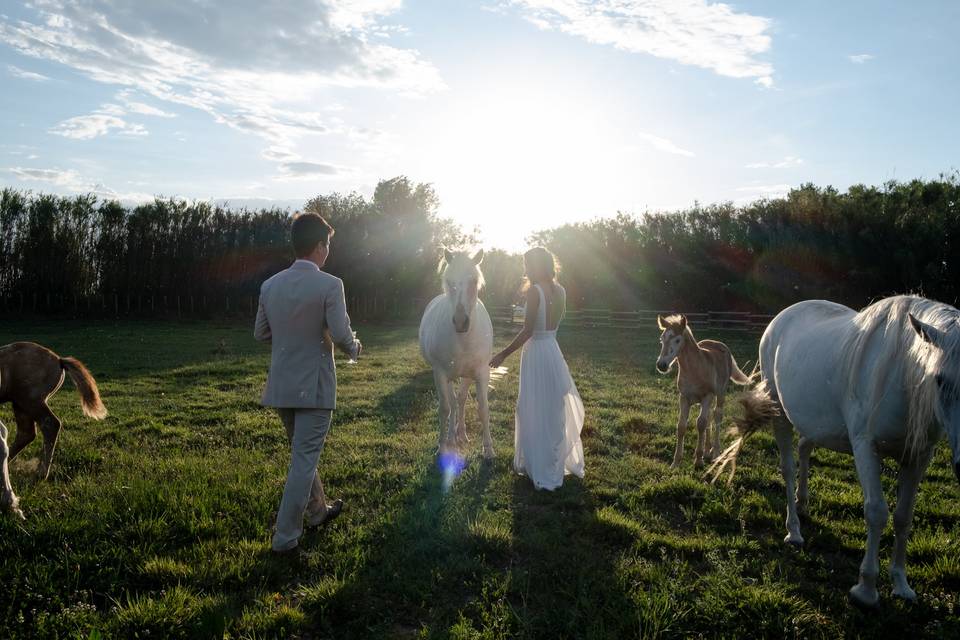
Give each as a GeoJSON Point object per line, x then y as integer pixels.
{"type": "Point", "coordinates": [306, 429]}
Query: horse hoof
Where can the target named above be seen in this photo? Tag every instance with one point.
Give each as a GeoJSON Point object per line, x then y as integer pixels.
{"type": "Point", "coordinates": [864, 598]}
{"type": "Point", "coordinates": [905, 593]}
{"type": "Point", "coordinates": [796, 543]}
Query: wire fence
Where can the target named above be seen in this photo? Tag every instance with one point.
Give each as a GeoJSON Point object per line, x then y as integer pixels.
{"type": "Point", "coordinates": [361, 309]}
{"type": "Point", "coordinates": [644, 318]}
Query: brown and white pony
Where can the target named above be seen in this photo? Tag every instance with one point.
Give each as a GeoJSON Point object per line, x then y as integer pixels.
{"type": "Point", "coordinates": [704, 370]}
{"type": "Point", "coordinates": [29, 375]}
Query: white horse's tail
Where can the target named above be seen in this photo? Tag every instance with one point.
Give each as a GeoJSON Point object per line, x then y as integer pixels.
{"type": "Point", "coordinates": [759, 409]}
{"type": "Point", "coordinates": [496, 375]}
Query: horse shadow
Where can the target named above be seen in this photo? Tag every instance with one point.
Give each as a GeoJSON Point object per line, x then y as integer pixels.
{"type": "Point", "coordinates": [409, 402]}
{"type": "Point", "coordinates": [423, 563]}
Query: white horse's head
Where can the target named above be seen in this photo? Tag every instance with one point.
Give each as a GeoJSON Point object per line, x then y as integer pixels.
{"type": "Point", "coordinates": [462, 281]}
{"type": "Point", "coordinates": [672, 338]}
{"type": "Point", "coordinates": [941, 387]}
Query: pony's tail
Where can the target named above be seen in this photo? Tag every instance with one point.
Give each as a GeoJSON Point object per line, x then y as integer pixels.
{"type": "Point", "coordinates": [759, 408]}
{"type": "Point", "coordinates": [89, 393]}
{"type": "Point", "coordinates": [739, 376]}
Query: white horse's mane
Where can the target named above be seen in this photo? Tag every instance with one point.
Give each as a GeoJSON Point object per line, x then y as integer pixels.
{"type": "Point", "coordinates": [920, 361]}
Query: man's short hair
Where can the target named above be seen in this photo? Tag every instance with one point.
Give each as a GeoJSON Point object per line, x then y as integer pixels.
{"type": "Point", "coordinates": [307, 230]}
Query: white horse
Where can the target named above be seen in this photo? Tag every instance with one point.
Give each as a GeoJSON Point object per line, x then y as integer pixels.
{"type": "Point", "coordinates": [456, 339]}
{"type": "Point", "coordinates": [884, 382]}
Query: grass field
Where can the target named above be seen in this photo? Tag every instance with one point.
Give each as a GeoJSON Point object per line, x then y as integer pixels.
{"type": "Point", "coordinates": [155, 522]}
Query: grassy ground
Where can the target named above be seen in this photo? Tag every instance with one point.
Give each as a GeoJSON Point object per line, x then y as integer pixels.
{"type": "Point", "coordinates": [155, 522]}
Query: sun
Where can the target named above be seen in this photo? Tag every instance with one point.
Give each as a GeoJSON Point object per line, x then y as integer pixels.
{"type": "Point", "coordinates": [512, 162]}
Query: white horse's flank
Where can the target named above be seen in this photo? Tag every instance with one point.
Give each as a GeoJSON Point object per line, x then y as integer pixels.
{"type": "Point", "coordinates": [456, 339]}
{"type": "Point", "coordinates": [882, 382]}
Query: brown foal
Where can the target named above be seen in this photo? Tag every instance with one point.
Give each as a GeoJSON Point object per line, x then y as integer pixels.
{"type": "Point", "coordinates": [704, 370]}
{"type": "Point", "coordinates": [29, 375]}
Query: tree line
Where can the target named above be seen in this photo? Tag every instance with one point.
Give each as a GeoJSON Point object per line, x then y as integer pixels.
{"type": "Point", "coordinates": [816, 242]}
{"type": "Point", "coordinates": [62, 250]}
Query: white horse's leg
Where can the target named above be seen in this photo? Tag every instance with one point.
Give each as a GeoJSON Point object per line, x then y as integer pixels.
{"type": "Point", "coordinates": [803, 493]}
{"type": "Point", "coordinates": [446, 404]}
{"type": "Point", "coordinates": [483, 408]}
{"type": "Point", "coordinates": [908, 481]}
{"type": "Point", "coordinates": [703, 425]}
{"type": "Point", "coordinates": [462, 396]}
{"type": "Point", "coordinates": [681, 429]}
{"type": "Point", "coordinates": [715, 448]}
{"type": "Point", "coordinates": [876, 514]}
{"type": "Point", "coordinates": [783, 433]}
{"type": "Point", "coordinates": [8, 500]}
{"type": "Point", "coordinates": [451, 436]}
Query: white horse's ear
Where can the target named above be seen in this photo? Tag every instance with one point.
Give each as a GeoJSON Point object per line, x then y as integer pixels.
{"type": "Point", "coordinates": [660, 322]}
{"type": "Point", "coordinates": [447, 255]}
{"type": "Point", "coordinates": [478, 257]}
{"type": "Point", "coordinates": [928, 332]}
{"type": "Point", "coordinates": [683, 323]}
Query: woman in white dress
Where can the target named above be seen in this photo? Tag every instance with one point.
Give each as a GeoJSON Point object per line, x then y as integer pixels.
{"type": "Point", "coordinates": [549, 413]}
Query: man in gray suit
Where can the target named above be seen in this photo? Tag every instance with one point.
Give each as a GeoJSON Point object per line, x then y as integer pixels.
{"type": "Point", "coordinates": [302, 314]}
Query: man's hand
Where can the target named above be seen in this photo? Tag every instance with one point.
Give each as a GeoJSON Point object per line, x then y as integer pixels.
{"type": "Point", "coordinates": [497, 360]}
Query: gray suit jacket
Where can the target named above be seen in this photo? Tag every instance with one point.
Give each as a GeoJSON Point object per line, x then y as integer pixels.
{"type": "Point", "coordinates": [303, 313]}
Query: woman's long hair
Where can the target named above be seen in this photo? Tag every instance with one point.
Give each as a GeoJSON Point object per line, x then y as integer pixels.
{"type": "Point", "coordinates": [539, 265]}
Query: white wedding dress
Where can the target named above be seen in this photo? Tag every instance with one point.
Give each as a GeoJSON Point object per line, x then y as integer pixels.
{"type": "Point", "coordinates": [549, 413]}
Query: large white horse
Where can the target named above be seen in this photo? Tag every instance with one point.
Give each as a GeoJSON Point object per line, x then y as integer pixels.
{"type": "Point", "coordinates": [884, 382]}
{"type": "Point", "coordinates": [456, 339]}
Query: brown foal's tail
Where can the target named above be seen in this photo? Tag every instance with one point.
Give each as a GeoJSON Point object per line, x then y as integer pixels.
{"type": "Point", "coordinates": [759, 408]}
{"type": "Point", "coordinates": [87, 386]}
{"type": "Point", "coordinates": [739, 376]}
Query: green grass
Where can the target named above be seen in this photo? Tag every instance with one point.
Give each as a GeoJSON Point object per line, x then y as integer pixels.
{"type": "Point", "coordinates": [154, 523]}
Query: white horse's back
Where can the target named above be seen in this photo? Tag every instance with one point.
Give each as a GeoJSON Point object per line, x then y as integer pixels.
{"type": "Point", "coordinates": [801, 357]}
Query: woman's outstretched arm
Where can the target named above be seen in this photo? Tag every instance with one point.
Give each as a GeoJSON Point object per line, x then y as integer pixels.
{"type": "Point", "coordinates": [529, 320]}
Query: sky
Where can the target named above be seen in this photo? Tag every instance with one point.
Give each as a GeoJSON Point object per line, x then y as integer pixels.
{"type": "Point", "coordinates": [523, 114]}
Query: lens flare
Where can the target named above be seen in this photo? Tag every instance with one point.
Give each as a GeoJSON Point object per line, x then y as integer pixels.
{"type": "Point", "coordinates": [451, 465]}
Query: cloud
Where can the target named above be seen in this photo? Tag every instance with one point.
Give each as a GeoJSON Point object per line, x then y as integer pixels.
{"type": "Point", "coordinates": [141, 108]}
{"type": "Point", "coordinates": [300, 169]}
{"type": "Point", "coordinates": [665, 145]}
{"type": "Point", "coordinates": [259, 68]}
{"type": "Point", "coordinates": [17, 72]}
{"type": "Point", "coordinates": [96, 124]}
{"type": "Point", "coordinates": [55, 176]}
{"type": "Point", "coordinates": [71, 180]}
{"type": "Point", "coordinates": [694, 32]}
{"type": "Point", "coordinates": [860, 58]}
{"type": "Point", "coordinates": [786, 163]}
{"type": "Point", "coordinates": [361, 14]}
{"type": "Point", "coordinates": [762, 191]}
{"type": "Point", "coordinates": [278, 154]}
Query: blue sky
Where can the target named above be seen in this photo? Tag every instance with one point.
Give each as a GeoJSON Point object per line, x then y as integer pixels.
{"type": "Point", "coordinates": [522, 113]}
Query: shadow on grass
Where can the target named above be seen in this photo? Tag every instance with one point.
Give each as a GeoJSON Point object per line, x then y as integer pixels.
{"type": "Point", "coordinates": [407, 404]}
{"type": "Point", "coordinates": [564, 572]}
{"type": "Point", "coordinates": [426, 563]}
